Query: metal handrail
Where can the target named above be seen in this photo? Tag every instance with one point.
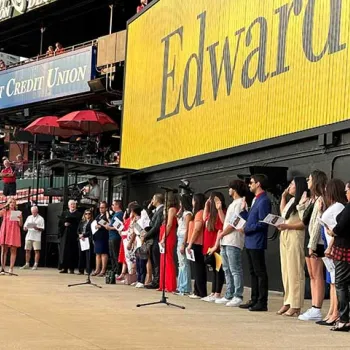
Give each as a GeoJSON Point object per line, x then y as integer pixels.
{"type": "Point", "coordinates": [45, 56]}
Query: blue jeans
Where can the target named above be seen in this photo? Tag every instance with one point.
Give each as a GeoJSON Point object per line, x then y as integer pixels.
{"type": "Point", "coordinates": [232, 266]}
{"type": "Point", "coordinates": [184, 277]}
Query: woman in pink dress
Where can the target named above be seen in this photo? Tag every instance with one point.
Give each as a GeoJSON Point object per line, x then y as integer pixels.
{"type": "Point", "coordinates": [10, 235]}
{"type": "Point", "coordinates": [169, 229]}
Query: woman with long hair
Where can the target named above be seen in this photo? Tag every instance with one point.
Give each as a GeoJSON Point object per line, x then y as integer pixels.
{"type": "Point", "coordinates": [316, 182]}
{"type": "Point", "coordinates": [341, 256]}
{"type": "Point", "coordinates": [84, 232]}
{"type": "Point", "coordinates": [101, 237]}
{"type": "Point", "coordinates": [10, 235]}
{"type": "Point", "coordinates": [124, 234]}
{"type": "Point", "coordinates": [184, 217]}
{"type": "Point", "coordinates": [167, 238]}
{"type": "Point", "coordinates": [214, 217]}
{"type": "Point", "coordinates": [335, 200]}
{"type": "Point", "coordinates": [292, 254]}
{"type": "Point", "coordinates": [195, 243]}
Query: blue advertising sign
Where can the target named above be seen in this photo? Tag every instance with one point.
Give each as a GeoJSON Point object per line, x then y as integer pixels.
{"type": "Point", "coordinates": [46, 79]}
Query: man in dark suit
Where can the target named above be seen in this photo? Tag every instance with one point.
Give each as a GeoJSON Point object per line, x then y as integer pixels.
{"type": "Point", "coordinates": [152, 238]}
{"type": "Point", "coordinates": [256, 243]}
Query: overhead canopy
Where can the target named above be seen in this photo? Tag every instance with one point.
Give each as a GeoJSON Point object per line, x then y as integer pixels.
{"type": "Point", "coordinates": [87, 169]}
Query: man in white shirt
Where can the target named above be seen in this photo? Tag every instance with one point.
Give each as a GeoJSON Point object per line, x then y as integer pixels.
{"type": "Point", "coordinates": [232, 243]}
{"type": "Point", "coordinates": [34, 226]}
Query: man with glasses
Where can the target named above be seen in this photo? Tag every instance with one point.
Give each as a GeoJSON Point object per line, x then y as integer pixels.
{"type": "Point", "coordinates": [256, 242]}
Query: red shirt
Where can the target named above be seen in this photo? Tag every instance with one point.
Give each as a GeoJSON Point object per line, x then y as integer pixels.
{"type": "Point", "coordinates": [140, 8]}
{"type": "Point", "coordinates": [9, 180]}
{"type": "Point", "coordinates": [260, 194]}
{"type": "Point", "coordinates": [209, 237]}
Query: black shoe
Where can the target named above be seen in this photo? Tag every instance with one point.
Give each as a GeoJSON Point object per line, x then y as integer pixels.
{"type": "Point", "coordinates": [326, 323]}
{"type": "Point", "coordinates": [71, 272]}
{"type": "Point", "coordinates": [64, 271]}
{"type": "Point", "coordinates": [258, 307]}
{"type": "Point", "coordinates": [247, 305]}
{"type": "Point", "coordinates": [152, 286]}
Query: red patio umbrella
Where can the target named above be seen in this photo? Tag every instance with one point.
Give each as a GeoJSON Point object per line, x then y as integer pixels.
{"type": "Point", "coordinates": [88, 121]}
{"type": "Point", "coordinates": [49, 126]}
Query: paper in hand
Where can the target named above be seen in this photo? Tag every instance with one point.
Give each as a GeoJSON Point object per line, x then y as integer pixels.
{"type": "Point", "coordinates": [161, 249]}
{"type": "Point", "coordinates": [118, 225]}
{"type": "Point", "coordinates": [14, 215]}
{"type": "Point", "coordinates": [237, 222]}
{"type": "Point", "coordinates": [30, 225]}
{"type": "Point", "coordinates": [273, 220]}
{"type": "Point", "coordinates": [102, 222]}
{"type": "Point", "coordinates": [190, 255]}
{"type": "Point", "coordinates": [84, 244]}
{"type": "Point", "coordinates": [93, 227]}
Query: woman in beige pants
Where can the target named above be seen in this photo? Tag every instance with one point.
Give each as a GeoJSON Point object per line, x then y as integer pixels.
{"type": "Point", "coordinates": [292, 254]}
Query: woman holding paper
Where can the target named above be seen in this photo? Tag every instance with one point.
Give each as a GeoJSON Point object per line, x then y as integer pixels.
{"type": "Point", "coordinates": [167, 239]}
{"type": "Point", "coordinates": [184, 284]}
{"type": "Point", "coordinates": [292, 240]}
{"type": "Point", "coordinates": [195, 243]}
{"type": "Point", "coordinates": [214, 217]}
{"type": "Point", "coordinates": [335, 201]}
{"type": "Point", "coordinates": [84, 232]}
{"type": "Point", "coordinates": [101, 238]}
{"type": "Point", "coordinates": [10, 234]}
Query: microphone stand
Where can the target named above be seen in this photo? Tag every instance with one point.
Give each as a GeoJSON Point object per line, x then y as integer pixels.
{"type": "Point", "coordinates": [88, 265]}
{"type": "Point", "coordinates": [163, 299]}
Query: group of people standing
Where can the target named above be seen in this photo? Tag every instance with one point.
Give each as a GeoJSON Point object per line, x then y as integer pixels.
{"type": "Point", "coordinates": [318, 209]}
{"type": "Point", "coordinates": [142, 243]}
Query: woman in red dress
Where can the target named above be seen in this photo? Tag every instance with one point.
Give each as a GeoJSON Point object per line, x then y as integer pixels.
{"type": "Point", "coordinates": [168, 239]}
{"type": "Point", "coordinates": [10, 235]}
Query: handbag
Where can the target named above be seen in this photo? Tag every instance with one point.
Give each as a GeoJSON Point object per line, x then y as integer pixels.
{"type": "Point", "coordinates": [110, 277]}
{"type": "Point", "coordinates": [307, 214]}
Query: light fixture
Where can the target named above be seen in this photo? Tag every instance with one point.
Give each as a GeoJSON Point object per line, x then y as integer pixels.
{"type": "Point", "coordinates": [116, 136]}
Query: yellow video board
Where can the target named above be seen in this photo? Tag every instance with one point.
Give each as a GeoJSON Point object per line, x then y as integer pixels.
{"type": "Point", "coordinates": [204, 75]}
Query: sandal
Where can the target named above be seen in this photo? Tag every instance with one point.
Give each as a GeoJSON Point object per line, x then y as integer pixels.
{"type": "Point", "coordinates": [292, 312]}
{"type": "Point", "coordinates": [343, 328]}
{"type": "Point", "coordinates": [101, 274]}
{"type": "Point", "coordinates": [283, 310]}
{"type": "Point", "coordinates": [95, 273]}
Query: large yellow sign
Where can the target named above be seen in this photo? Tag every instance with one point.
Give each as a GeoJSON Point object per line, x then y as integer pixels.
{"type": "Point", "coordinates": [204, 75]}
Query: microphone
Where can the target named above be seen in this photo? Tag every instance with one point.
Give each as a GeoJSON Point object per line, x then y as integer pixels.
{"type": "Point", "coordinates": [169, 189]}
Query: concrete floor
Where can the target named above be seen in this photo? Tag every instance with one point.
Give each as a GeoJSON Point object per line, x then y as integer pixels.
{"type": "Point", "coordinates": [38, 311]}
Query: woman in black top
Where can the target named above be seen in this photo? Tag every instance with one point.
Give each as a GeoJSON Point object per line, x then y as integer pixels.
{"type": "Point", "coordinates": [341, 257]}
{"type": "Point", "coordinates": [101, 238]}
{"type": "Point", "coordinates": [84, 232]}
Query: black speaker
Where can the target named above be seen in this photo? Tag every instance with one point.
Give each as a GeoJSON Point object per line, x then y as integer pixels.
{"type": "Point", "coordinates": [98, 85]}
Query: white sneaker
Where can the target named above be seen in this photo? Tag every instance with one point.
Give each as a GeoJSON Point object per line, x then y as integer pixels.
{"type": "Point", "coordinates": [222, 300]}
{"type": "Point", "coordinates": [312, 314]}
{"type": "Point", "coordinates": [210, 299]}
{"type": "Point", "coordinates": [35, 267]}
{"type": "Point", "coordinates": [25, 267]}
{"type": "Point", "coordinates": [139, 285]}
{"type": "Point", "coordinates": [133, 284]}
{"type": "Point", "coordinates": [194, 296]}
{"type": "Point", "coordinates": [235, 302]}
